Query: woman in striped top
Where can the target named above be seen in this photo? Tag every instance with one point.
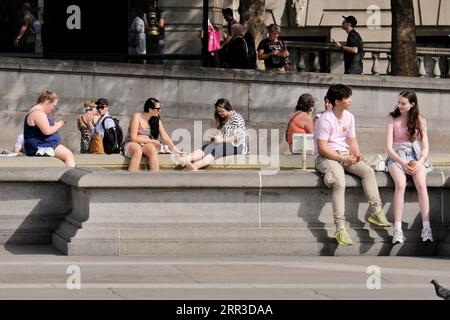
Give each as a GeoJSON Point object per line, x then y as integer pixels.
{"type": "Point", "coordinates": [230, 140]}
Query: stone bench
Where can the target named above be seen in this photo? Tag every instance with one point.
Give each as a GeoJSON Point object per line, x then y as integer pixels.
{"type": "Point", "coordinates": [249, 162]}
{"type": "Point", "coordinates": [120, 162]}
{"type": "Point", "coordinates": [91, 211]}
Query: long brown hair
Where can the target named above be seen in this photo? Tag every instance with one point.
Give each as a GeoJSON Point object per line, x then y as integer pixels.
{"type": "Point", "coordinates": [221, 103]}
{"type": "Point", "coordinates": [413, 124]}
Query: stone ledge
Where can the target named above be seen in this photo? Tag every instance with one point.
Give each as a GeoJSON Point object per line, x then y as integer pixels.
{"type": "Point", "coordinates": [195, 72]}
{"type": "Point", "coordinates": [227, 177]}
{"type": "Point", "coordinates": [30, 174]}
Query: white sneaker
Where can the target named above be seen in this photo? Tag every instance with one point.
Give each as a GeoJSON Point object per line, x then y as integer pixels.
{"type": "Point", "coordinates": [398, 237]}
{"type": "Point", "coordinates": [7, 153]}
{"type": "Point", "coordinates": [427, 235]}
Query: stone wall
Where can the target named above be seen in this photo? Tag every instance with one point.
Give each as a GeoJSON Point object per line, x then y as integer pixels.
{"type": "Point", "coordinates": [100, 212]}
{"type": "Point", "coordinates": [265, 99]}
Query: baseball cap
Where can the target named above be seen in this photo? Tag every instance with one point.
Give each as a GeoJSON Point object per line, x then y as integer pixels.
{"type": "Point", "coordinates": [351, 19]}
{"type": "Point", "coordinates": [102, 102]}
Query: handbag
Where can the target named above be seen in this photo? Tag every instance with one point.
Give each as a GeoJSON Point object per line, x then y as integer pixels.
{"type": "Point", "coordinates": [288, 66]}
{"type": "Point", "coordinates": [378, 164]}
{"type": "Point", "coordinates": [213, 40]}
{"type": "Point", "coordinates": [96, 145]}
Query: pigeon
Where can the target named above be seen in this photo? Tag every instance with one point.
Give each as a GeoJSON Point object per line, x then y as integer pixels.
{"type": "Point", "coordinates": [440, 290]}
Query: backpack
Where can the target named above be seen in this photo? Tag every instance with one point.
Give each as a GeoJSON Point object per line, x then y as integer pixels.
{"type": "Point", "coordinates": [113, 137]}
{"type": "Point", "coordinates": [35, 26]}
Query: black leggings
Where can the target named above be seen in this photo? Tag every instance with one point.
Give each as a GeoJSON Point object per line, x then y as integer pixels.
{"type": "Point", "coordinates": [220, 150]}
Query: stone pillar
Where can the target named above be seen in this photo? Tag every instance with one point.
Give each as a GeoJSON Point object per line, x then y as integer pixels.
{"type": "Point", "coordinates": [436, 68]}
{"type": "Point", "coordinates": [301, 62]}
{"type": "Point", "coordinates": [421, 67]}
{"type": "Point", "coordinates": [316, 61]}
{"type": "Point", "coordinates": [376, 63]}
{"type": "Point", "coordinates": [389, 68]}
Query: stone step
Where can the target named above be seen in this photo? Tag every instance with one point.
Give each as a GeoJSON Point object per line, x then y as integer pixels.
{"type": "Point", "coordinates": [238, 240]}
{"type": "Point", "coordinates": [246, 247]}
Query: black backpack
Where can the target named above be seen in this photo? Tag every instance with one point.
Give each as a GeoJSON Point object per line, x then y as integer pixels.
{"type": "Point", "coordinates": [113, 137]}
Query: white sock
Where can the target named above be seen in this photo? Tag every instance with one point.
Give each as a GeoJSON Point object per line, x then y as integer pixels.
{"type": "Point", "coordinates": [426, 224]}
{"type": "Point", "coordinates": [398, 225]}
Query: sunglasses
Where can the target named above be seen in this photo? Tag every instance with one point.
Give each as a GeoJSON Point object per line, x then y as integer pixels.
{"type": "Point", "coordinates": [101, 107]}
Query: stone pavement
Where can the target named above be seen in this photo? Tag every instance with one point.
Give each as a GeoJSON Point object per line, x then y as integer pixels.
{"type": "Point", "coordinates": [42, 273]}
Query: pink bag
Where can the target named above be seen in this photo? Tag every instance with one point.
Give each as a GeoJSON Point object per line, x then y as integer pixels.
{"type": "Point", "coordinates": [213, 40]}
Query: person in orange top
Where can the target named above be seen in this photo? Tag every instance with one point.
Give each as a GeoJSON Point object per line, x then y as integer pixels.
{"type": "Point", "coordinates": [300, 121]}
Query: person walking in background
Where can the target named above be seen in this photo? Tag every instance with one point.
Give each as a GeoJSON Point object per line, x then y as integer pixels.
{"type": "Point", "coordinates": [273, 51]}
{"type": "Point", "coordinates": [41, 132]}
{"type": "Point", "coordinates": [213, 45]}
{"type": "Point", "coordinates": [353, 50]}
{"type": "Point", "coordinates": [230, 141]}
{"type": "Point", "coordinates": [407, 148]}
{"type": "Point", "coordinates": [144, 131]}
{"type": "Point", "coordinates": [26, 37]}
{"type": "Point", "coordinates": [336, 152]}
{"type": "Point", "coordinates": [86, 124]}
{"type": "Point", "coordinates": [228, 16]}
{"type": "Point", "coordinates": [300, 120]}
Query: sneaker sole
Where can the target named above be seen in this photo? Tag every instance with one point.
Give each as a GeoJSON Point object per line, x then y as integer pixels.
{"type": "Point", "coordinates": [398, 241]}
{"type": "Point", "coordinates": [344, 243]}
{"type": "Point", "coordinates": [375, 222]}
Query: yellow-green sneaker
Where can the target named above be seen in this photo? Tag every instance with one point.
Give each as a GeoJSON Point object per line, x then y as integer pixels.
{"type": "Point", "coordinates": [379, 219]}
{"type": "Point", "coordinates": [342, 237]}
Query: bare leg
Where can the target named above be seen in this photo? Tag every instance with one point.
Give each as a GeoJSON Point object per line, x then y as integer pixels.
{"type": "Point", "coordinates": [183, 161]}
{"type": "Point", "coordinates": [399, 195]}
{"type": "Point", "coordinates": [151, 153]}
{"type": "Point", "coordinates": [194, 156]}
{"type": "Point", "coordinates": [135, 151]}
{"type": "Point", "coordinates": [206, 161]}
{"type": "Point", "coordinates": [420, 180]}
{"type": "Point", "coordinates": [65, 155]}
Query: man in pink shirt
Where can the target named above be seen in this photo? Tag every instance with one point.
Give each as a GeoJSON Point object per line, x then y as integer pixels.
{"type": "Point", "coordinates": [337, 152]}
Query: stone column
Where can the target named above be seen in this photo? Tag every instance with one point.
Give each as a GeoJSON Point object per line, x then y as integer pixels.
{"type": "Point", "coordinates": [421, 67]}
{"type": "Point", "coordinates": [301, 62]}
{"type": "Point", "coordinates": [436, 68]}
{"type": "Point", "coordinates": [376, 63]}
{"type": "Point", "coordinates": [389, 68]}
{"type": "Point", "coordinates": [316, 61]}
